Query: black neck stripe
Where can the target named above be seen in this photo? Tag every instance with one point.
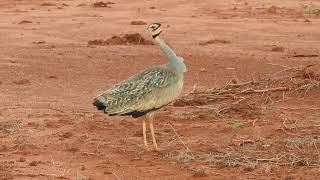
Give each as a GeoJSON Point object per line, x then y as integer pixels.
{"type": "Point", "coordinates": [158, 26]}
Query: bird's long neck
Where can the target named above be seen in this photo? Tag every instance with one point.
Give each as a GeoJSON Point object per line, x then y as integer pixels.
{"type": "Point", "coordinates": [174, 61]}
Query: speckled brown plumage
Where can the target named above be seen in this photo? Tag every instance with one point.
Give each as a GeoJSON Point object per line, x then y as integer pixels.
{"type": "Point", "coordinates": [131, 96]}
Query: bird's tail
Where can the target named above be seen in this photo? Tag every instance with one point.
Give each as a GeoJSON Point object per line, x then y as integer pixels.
{"type": "Point", "coordinates": [99, 103]}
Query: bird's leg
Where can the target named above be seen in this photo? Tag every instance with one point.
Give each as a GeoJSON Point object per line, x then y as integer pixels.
{"type": "Point", "coordinates": [144, 131]}
{"type": "Point", "coordinates": [150, 117]}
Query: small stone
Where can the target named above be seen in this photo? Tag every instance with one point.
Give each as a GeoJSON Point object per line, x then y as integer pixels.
{"type": "Point", "coordinates": [138, 23]}
{"type": "Point", "coordinates": [33, 163]}
{"type": "Point", "coordinates": [203, 70]}
{"type": "Point", "coordinates": [25, 22]}
{"type": "Point", "coordinates": [107, 172]}
{"type": "Point", "coordinates": [67, 135]}
{"type": "Point", "coordinates": [307, 20]}
{"type": "Point", "coordinates": [21, 159]}
{"type": "Point", "coordinates": [277, 49]}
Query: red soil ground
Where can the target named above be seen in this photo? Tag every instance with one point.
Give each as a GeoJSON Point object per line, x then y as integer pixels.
{"type": "Point", "coordinates": [49, 76]}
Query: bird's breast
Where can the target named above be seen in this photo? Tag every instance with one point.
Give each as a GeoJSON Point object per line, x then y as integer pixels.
{"type": "Point", "coordinates": [163, 96]}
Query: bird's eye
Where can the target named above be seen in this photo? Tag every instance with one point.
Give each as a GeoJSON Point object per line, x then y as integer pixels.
{"type": "Point", "coordinates": [154, 27]}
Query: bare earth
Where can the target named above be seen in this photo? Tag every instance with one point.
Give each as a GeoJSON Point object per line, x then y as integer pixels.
{"type": "Point", "coordinates": [49, 76]}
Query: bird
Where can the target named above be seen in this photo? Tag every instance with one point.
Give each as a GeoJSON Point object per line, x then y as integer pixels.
{"type": "Point", "coordinates": [142, 94]}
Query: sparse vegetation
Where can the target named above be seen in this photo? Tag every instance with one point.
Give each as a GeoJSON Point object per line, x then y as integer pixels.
{"type": "Point", "coordinates": [199, 172]}
{"type": "Point", "coordinates": [9, 126]}
{"type": "Point", "coordinates": [184, 156]}
{"type": "Point", "coordinates": [312, 9]}
{"type": "Point", "coordinates": [238, 125]}
{"type": "Point", "coordinates": [255, 100]}
{"type": "Point", "coordinates": [249, 99]}
{"type": "Point", "coordinates": [293, 152]}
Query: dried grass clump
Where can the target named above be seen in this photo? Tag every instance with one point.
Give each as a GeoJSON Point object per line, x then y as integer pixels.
{"type": "Point", "coordinates": [127, 39]}
{"type": "Point", "coordinates": [248, 99]}
{"type": "Point", "coordinates": [8, 127]}
{"type": "Point", "coordinates": [302, 151]}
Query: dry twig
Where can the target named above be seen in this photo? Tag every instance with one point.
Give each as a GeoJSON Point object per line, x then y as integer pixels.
{"type": "Point", "coordinates": [178, 136]}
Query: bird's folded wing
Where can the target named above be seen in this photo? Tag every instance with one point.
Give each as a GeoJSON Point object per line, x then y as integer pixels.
{"type": "Point", "coordinates": [128, 95]}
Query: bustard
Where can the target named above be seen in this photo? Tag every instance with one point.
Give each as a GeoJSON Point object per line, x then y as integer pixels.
{"type": "Point", "coordinates": [146, 91]}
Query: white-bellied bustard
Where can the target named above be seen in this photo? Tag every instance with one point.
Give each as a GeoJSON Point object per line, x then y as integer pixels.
{"type": "Point", "coordinates": [146, 91]}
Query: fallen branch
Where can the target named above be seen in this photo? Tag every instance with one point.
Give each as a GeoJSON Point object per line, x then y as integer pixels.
{"type": "Point", "coordinates": [240, 84]}
{"type": "Point", "coordinates": [248, 91]}
{"type": "Point", "coordinates": [93, 154]}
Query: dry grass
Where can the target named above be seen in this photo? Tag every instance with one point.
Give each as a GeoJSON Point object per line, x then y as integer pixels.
{"type": "Point", "coordinates": [184, 156]}
{"type": "Point", "coordinates": [250, 99]}
{"type": "Point", "coordinates": [199, 172]}
{"type": "Point", "coordinates": [291, 152]}
{"type": "Point", "coordinates": [254, 101]}
{"type": "Point", "coordinates": [10, 126]}
{"type": "Point", "coordinates": [312, 9]}
{"type": "Point", "coordinates": [5, 170]}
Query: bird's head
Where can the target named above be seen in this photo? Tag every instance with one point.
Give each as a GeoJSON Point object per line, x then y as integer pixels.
{"type": "Point", "coordinates": [154, 29]}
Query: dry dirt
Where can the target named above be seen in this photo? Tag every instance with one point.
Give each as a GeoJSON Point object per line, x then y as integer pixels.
{"type": "Point", "coordinates": [49, 76]}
